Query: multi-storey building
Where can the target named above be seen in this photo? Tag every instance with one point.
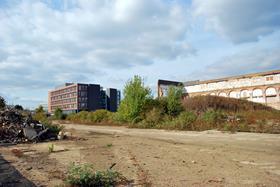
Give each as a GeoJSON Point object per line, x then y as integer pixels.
{"type": "Point", "coordinates": [77, 97]}
{"type": "Point", "coordinates": [261, 87]}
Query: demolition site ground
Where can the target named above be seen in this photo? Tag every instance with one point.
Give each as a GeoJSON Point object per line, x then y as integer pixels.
{"type": "Point", "coordinates": [149, 157]}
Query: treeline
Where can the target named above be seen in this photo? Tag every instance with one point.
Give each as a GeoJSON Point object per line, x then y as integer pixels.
{"type": "Point", "coordinates": [139, 109]}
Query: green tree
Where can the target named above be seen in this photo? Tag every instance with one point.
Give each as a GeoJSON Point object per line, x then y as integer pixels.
{"type": "Point", "coordinates": [2, 102]}
{"type": "Point", "coordinates": [40, 109]}
{"type": "Point", "coordinates": [135, 97]}
{"type": "Point", "coordinates": [174, 97]}
{"type": "Point", "coordinates": [18, 107]}
{"type": "Point", "coordinates": [40, 114]}
{"type": "Point", "coordinates": [58, 114]}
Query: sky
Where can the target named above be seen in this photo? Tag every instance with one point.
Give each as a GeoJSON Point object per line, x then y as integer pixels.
{"type": "Point", "coordinates": [45, 43]}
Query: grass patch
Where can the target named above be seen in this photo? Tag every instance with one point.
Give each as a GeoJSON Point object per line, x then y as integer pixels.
{"type": "Point", "coordinates": [83, 175]}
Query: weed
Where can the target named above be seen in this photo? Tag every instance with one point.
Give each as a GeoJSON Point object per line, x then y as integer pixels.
{"type": "Point", "coordinates": [51, 148]}
{"type": "Point", "coordinates": [84, 175]}
{"type": "Point", "coordinates": [109, 145]}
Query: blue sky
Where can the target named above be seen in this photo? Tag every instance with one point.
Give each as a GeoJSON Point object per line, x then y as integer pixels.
{"type": "Point", "coordinates": [49, 42]}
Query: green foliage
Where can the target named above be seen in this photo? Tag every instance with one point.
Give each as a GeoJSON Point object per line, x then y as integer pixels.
{"type": "Point", "coordinates": [109, 145]}
{"type": "Point", "coordinates": [53, 128]}
{"type": "Point", "coordinates": [174, 97]}
{"type": "Point", "coordinates": [213, 117]}
{"type": "Point", "coordinates": [97, 116]}
{"type": "Point", "coordinates": [2, 102]}
{"type": "Point", "coordinates": [40, 114]}
{"type": "Point", "coordinates": [40, 109]}
{"type": "Point", "coordinates": [58, 114]}
{"type": "Point", "coordinates": [84, 176]}
{"type": "Point", "coordinates": [152, 118]}
{"type": "Point", "coordinates": [135, 97]}
{"type": "Point", "coordinates": [18, 107]}
{"type": "Point", "coordinates": [185, 120]}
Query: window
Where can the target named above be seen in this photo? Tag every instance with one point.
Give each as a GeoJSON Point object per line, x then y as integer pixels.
{"type": "Point", "coordinates": [269, 78]}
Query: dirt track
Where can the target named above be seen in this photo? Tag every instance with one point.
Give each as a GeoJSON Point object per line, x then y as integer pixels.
{"type": "Point", "coordinates": [158, 157]}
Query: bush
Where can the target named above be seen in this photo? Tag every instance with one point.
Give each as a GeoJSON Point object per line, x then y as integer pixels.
{"type": "Point", "coordinates": [97, 116]}
{"type": "Point", "coordinates": [58, 114]}
{"type": "Point", "coordinates": [213, 117]}
{"type": "Point", "coordinates": [173, 99]}
{"type": "Point", "coordinates": [152, 118]}
{"type": "Point", "coordinates": [84, 175]}
{"type": "Point", "coordinates": [186, 120]}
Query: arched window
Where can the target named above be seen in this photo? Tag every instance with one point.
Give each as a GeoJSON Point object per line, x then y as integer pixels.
{"type": "Point", "coordinates": [270, 92]}
{"type": "Point", "coordinates": [234, 94]}
{"type": "Point", "coordinates": [222, 94]}
{"type": "Point", "coordinates": [245, 94]}
{"type": "Point", "coordinates": [257, 93]}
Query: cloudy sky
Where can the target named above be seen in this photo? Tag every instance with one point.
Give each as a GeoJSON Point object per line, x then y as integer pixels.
{"type": "Point", "coordinates": [46, 43]}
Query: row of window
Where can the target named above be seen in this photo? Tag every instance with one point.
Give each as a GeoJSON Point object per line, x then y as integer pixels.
{"type": "Point", "coordinates": [256, 93]}
{"type": "Point", "coordinates": [82, 87]}
{"type": "Point", "coordinates": [63, 107]}
{"type": "Point", "coordinates": [66, 90]}
{"type": "Point", "coordinates": [72, 100]}
{"type": "Point", "coordinates": [74, 94]}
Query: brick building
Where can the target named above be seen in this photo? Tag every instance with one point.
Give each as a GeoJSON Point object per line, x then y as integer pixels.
{"type": "Point", "coordinates": [261, 87]}
{"type": "Point", "coordinates": [75, 97]}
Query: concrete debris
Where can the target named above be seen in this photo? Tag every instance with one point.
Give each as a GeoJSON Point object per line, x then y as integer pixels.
{"type": "Point", "coordinates": [16, 128]}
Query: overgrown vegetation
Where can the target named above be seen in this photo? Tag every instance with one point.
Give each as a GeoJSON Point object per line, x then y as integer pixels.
{"type": "Point", "coordinates": [41, 115]}
{"type": "Point", "coordinates": [2, 102]}
{"type": "Point", "coordinates": [139, 110]}
{"type": "Point", "coordinates": [82, 175]}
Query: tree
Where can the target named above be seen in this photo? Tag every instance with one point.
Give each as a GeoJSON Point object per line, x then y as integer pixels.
{"type": "Point", "coordinates": [58, 114]}
{"type": "Point", "coordinates": [18, 107]}
{"type": "Point", "coordinates": [135, 97]}
{"type": "Point", "coordinates": [40, 114]}
{"type": "Point", "coordinates": [40, 109]}
{"type": "Point", "coordinates": [174, 96]}
{"type": "Point", "coordinates": [2, 102]}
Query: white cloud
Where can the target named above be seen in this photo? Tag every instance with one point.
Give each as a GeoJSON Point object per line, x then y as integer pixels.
{"type": "Point", "coordinates": [240, 20]}
{"type": "Point", "coordinates": [43, 44]}
{"type": "Point", "coordinates": [252, 60]}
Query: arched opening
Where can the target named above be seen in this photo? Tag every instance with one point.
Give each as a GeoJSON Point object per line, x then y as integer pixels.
{"type": "Point", "coordinates": [258, 96]}
{"type": "Point", "coordinates": [212, 94]}
{"type": "Point", "coordinates": [222, 94]}
{"type": "Point", "coordinates": [271, 95]}
{"type": "Point", "coordinates": [234, 94]}
{"type": "Point", "coordinates": [245, 94]}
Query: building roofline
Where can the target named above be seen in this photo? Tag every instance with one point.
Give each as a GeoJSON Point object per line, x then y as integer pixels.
{"type": "Point", "coordinates": [168, 82]}
{"type": "Point", "coordinates": [192, 83]}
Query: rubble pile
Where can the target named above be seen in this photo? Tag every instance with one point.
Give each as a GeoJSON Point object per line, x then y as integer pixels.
{"type": "Point", "coordinates": [16, 128]}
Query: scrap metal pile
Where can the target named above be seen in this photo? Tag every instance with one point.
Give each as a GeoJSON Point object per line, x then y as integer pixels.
{"type": "Point", "coordinates": [16, 128]}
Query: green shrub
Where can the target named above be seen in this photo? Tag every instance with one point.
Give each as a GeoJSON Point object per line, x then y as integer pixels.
{"type": "Point", "coordinates": [153, 117]}
{"type": "Point", "coordinates": [58, 114]}
{"type": "Point", "coordinates": [83, 175]}
{"type": "Point", "coordinates": [97, 116]}
{"type": "Point", "coordinates": [173, 99]}
{"type": "Point", "coordinates": [186, 120]}
{"type": "Point", "coordinates": [213, 117]}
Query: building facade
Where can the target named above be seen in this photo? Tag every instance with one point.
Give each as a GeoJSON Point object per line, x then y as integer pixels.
{"type": "Point", "coordinates": [261, 87]}
{"type": "Point", "coordinates": [77, 97]}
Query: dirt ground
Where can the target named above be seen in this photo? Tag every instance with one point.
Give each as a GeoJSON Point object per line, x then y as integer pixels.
{"type": "Point", "coordinates": [152, 157]}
